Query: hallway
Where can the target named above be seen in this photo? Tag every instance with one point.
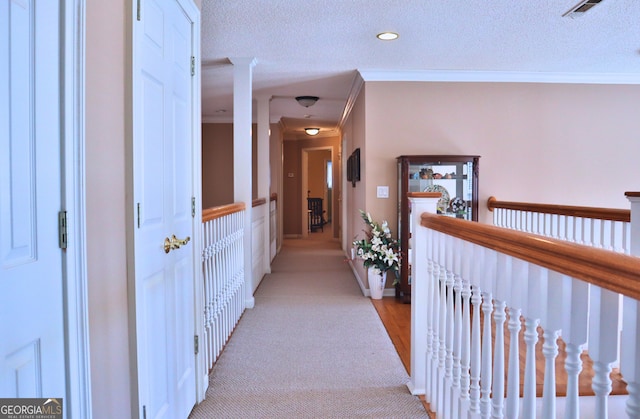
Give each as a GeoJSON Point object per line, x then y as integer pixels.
{"type": "Point", "coordinates": [313, 346]}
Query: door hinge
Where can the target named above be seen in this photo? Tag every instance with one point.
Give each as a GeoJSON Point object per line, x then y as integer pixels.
{"type": "Point", "coordinates": [138, 215]}
{"type": "Point", "coordinates": [138, 11]}
{"type": "Point", "coordinates": [196, 344]}
{"type": "Point", "coordinates": [62, 229]}
{"type": "Point", "coordinates": [193, 65]}
{"type": "Point", "coordinates": [193, 207]}
{"type": "Point", "coordinates": [144, 412]}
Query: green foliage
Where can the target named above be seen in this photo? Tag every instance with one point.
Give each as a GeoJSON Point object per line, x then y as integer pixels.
{"type": "Point", "coordinates": [378, 249]}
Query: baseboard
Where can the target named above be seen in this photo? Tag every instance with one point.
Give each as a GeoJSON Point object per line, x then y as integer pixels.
{"type": "Point", "coordinates": [292, 236]}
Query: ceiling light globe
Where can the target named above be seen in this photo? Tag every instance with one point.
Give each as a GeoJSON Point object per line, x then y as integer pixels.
{"type": "Point", "coordinates": [387, 36]}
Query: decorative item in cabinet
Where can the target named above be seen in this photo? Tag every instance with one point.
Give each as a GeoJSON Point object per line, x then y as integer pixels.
{"type": "Point", "coordinates": [454, 176]}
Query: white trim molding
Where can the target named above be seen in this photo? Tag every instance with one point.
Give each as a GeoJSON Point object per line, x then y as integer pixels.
{"type": "Point", "coordinates": [74, 201]}
{"type": "Point", "coordinates": [499, 76]}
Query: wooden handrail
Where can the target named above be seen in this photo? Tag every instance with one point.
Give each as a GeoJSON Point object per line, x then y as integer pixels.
{"type": "Point", "coordinates": [257, 202]}
{"type": "Point", "coordinates": [574, 211]}
{"type": "Point", "coordinates": [614, 271]}
{"type": "Point", "coordinates": [217, 212]}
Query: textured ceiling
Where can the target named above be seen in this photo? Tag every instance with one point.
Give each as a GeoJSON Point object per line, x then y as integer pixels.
{"type": "Point", "coordinates": [314, 47]}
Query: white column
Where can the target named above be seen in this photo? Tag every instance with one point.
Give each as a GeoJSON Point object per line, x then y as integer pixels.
{"type": "Point", "coordinates": [419, 296]}
{"type": "Point", "coordinates": [264, 173]}
{"type": "Point", "coordinates": [242, 113]}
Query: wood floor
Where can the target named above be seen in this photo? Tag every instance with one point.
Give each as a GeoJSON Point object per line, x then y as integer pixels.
{"type": "Point", "coordinates": [396, 317]}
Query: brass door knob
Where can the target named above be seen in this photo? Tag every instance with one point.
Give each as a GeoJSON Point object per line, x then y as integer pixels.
{"type": "Point", "coordinates": [174, 243]}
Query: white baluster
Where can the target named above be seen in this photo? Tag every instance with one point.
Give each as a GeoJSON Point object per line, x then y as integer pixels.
{"type": "Point", "coordinates": [435, 322]}
{"type": "Point", "coordinates": [530, 339]}
{"type": "Point", "coordinates": [428, 391]}
{"type": "Point", "coordinates": [476, 364]}
{"type": "Point", "coordinates": [603, 339]}
{"type": "Point", "coordinates": [589, 232]}
{"type": "Point", "coordinates": [465, 352]}
{"type": "Point", "coordinates": [430, 372]}
{"type": "Point", "coordinates": [448, 362]}
{"type": "Point", "coordinates": [574, 333]}
{"type": "Point", "coordinates": [573, 366]}
{"type": "Point", "coordinates": [485, 374]}
{"type": "Point", "coordinates": [513, 390]}
{"type": "Point", "coordinates": [442, 336]}
{"type": "Point", "coordinates": [497, 402]}
{"type": "Point", "coordinates": [457, 342]}
{"type": "Point", "coordinates": [433, 312]}
{"type": "Point", "coordinates": [630, 354]}
{"type": "Point", "coordinates": [550, 352]}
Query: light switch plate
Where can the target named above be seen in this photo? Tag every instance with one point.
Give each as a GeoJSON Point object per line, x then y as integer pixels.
{"type": "Point", "coordinates": [383, 192]}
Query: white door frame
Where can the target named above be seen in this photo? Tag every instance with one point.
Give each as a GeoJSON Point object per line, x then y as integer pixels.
{"type": "Point", "coordinates": [193, 13]}
{"type": "Point", "coordinates": [305, 184]}
{"type": "Point", "coordinates": [74, 259]}
{"type": "Point", "coordinates": [201, 369]}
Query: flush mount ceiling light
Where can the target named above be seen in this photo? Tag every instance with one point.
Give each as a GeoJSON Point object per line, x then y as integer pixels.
{"type": "Point", "coordinates": [312, 131]}
{"type": "Point", "coordinates": [387, 36]}
{"type": "Point", "coordinates": [307, 101]}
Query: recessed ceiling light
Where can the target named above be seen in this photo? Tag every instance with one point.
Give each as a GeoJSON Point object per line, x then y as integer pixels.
{"type": "Point", "coordinates": [312, 131]}
{"type": "Point", "coordinates": [387, 36]}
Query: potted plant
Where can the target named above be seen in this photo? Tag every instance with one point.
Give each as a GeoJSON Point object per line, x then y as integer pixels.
{"type": "Point", "coordinates": [380, 253]}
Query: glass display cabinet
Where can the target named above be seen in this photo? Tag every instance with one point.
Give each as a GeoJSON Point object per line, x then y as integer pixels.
{"type": "Point", "coordinates": [455, 177]}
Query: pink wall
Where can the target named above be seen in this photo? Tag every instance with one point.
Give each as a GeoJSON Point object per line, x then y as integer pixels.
{"type": "Point", "coordinates": [568, 144]}
{"type": "Point", "coordinates": [106, 124]}
{"type": "Point", "coordinates": [217, 165]}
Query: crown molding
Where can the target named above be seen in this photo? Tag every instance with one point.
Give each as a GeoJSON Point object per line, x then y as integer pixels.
{"type": "Point", "coordinates": [356, 86]}
{"type": "Point", "coordinates": [500, 77]}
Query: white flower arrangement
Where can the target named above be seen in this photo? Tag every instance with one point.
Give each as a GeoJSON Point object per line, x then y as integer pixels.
{"type": "Point", "coordinates": [379, 250]}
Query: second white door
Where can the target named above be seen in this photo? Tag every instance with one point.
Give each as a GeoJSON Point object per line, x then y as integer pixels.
{"type": "Point", "coordinates": [163, 191]}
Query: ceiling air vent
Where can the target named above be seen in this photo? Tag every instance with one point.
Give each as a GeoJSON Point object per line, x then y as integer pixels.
{"type": "Point", "coordinates": [581, 8]}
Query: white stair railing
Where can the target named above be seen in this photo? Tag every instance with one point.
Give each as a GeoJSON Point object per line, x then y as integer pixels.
{"type": "Point", "coordinates": [224, 276]}
{"type": "Point", "coordinates": [509, 277]}
{"type": "Point", "coordinates": [603, 228]}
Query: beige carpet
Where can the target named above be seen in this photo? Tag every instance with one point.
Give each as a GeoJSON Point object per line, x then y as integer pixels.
{"type": "Point", "coordinates": [313, 347]}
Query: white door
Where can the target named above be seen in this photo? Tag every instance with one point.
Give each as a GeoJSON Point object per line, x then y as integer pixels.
{"type": "Point", "coordinates": [32, 362]}
{"type": "Point", "coordinates": [163, 191]}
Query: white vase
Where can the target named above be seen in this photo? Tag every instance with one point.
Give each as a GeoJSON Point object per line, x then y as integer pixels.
{"type": "Point", "coordinates": [376, 283]}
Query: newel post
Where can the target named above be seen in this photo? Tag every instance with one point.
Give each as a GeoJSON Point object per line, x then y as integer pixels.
{"type": "Point", "coordinates": [634, 198]}
{"type": "Point", "coordinates": [630, 336]}
{"type": "Point", "coordinates": [419, 203]}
